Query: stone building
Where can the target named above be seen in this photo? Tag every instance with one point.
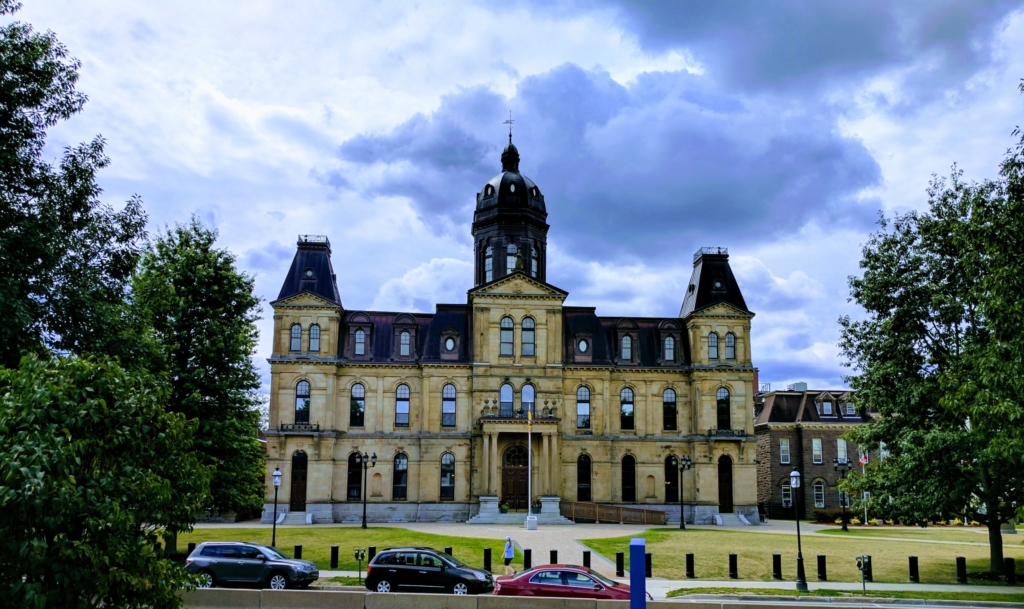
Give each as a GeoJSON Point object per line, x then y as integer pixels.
{"type": "Point", "coordinates": [802, 428]}
{"type": "Point", "coordinates": [440, 398]}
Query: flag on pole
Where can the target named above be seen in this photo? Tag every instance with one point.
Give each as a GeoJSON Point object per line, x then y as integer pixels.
{"type": "Point", "coordinates": [864, 458]}
{"type": "Point", "coordinates": [529, 420]}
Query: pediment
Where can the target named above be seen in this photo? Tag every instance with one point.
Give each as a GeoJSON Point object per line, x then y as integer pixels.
{"type": "Point", "coordinates": [304, 299]}
{"type": "Point", "coordinates": [723, 309]}
{"type": "Point", "coordinates": [519, 285]}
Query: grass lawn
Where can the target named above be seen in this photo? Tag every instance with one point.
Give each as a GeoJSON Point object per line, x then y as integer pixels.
{"type": "Point", "coordinates": [711, 549]}
{"type": "Point", "coordinates": [968, 534]}
{"type": "Point", "coordinates": [950, 596]}
{"type": "Point", "coordinates": [316, 543]}
{"type": "Point", "coordinates": [345, 580]}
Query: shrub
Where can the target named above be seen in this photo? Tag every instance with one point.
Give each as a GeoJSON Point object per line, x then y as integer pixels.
{"type": "Point", "coordinates": [827, 515]}
{"type": "Point", "coordinates": [855, 520]}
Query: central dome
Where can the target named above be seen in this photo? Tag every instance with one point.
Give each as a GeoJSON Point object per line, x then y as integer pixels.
{"type": "Point", "coordinates": [510, 189]}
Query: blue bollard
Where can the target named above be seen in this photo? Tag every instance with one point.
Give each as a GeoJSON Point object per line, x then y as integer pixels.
{"type": "Point", "coordinates": [637, 582]}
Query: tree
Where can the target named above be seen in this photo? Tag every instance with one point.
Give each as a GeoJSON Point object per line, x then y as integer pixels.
{"type": "Point", "coordinates": [203, 314]}
{"type": "Point", "coordinates": [940, 354]}
{"type": "Point", "coordinates": [91, 470]}
{"type": "Point", "coordinates": [65, 257]}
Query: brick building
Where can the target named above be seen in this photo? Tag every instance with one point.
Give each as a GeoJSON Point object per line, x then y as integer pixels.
{"type": "Point", "coordinates": [803, 428]}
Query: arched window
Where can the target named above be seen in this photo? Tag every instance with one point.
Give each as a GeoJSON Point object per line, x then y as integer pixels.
{"type": "Point", "coordinates": [505, 400]}
{"type": "Point", "coordinates": [724, 414]}
{"type": "Point", "coordinates": [529, 336]}
{"type": "Point", "coordinates": [355, 477]}
{"type": "Point", "coordinates": [528, 399]}
{"type": "Point", "coordinates": [314, 339]}
{"type": "Point", "coordinates": [670, 349]}
{"type": "Point", "coordinates": [360, 342]}
{"type": "Point", "coordinates": [668, 403]}
{"type": "Point", "coordinates": [448, 406]}
{"type": "Point", "coordinates": [507, 328]}
{"type": "Point", "coordinates": [447, 477]}
{"type": "Point", "coordinates": [629, 479]}
{"type": "Point", "coordinates": [627, 349]}
{"type": "Point", "coordinates": [402, 406]}
{"type": "Point", "coordinates": [357, 408]}
{"type": "Point", "coordinates": [403, 344]}
{"type": "Point", "coordinates": [302, 402]}
{"type": "Point", "coordinates": [296, 337]}
{"type": "Point", "coordinates": [819, 494]}
{"type": "Point", "coordinates": [583, 478]}
{"type": "Point", "coordinates": [627, 419]}
{"type": "Point", "coordinates": [712, 346]}
{"type": "Point", "coordinates": [671, 479]}
{"type": "Point", "coordinates": [488, 264]}
{"type": "Point", "coordinates": [400, 478]}
{"type": "Point", "coordinates": [534, 261]}
{"type": "Point", "coordinates": [510, 259]}
{"type": "Point", "coordinates": [730, 346]}
{"type": "Point", "coordinates": [583, 408]}
{"type": "Point", "coordinates": [515, 456]}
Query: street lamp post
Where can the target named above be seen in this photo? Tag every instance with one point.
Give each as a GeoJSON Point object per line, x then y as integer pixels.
{"type": "Point", "coordinates": [277, 484]}
{"type": "Point", "coordinates": [841, 465]}
{"type": "Point", "coordinates": [367, 462]}
{"type": "Point", "coordinates": [685, 463]}
{"type": "Point", "coordinates": [801, 578]}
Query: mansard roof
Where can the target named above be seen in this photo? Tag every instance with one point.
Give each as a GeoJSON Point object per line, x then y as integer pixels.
{"type": "Point", "coordinates": [311, 271]}
{"type": "Point", "coordinates": [801, 407]}
{"type": "Point", "coordinates": [711, 283]}
{"type": "Point", "coordinates": [430, 328]}
{"type": "Point", "coordinates": [649, 331]}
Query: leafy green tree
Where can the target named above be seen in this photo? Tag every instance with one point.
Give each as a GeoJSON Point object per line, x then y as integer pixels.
{"type": "Point", "coordinates": [91, 471]}
{"type": "Point", "coordinates": [940, 354]}
{"type": "Point", "coordinates": [203, 314]}
{"type": "Point", "coordinates": [65, 257]}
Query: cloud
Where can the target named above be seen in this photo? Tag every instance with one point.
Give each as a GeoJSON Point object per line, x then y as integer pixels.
{"type": "Point", "coordinates": [442, 280]}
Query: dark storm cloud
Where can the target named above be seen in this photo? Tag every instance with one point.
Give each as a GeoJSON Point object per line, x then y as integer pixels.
{"type": "Point", "coordinates": [666, 164]}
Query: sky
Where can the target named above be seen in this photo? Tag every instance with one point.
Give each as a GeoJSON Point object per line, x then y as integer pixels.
{"type": "Point", "coordinates": [779, 130]}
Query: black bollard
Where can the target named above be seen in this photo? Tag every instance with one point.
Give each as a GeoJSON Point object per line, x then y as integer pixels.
{"type": "Point", "coordinates": [961, 570]}
{"type": "Point", "coordinates": [733, 570]}
{"type": "Point", "coordinates": [487, 560]}
{"type": "Point", "coordinates": [822, 572]}
{"type": "Point", "coordinates": [915, 575]}
{"type": "Point", "coordinates": [554, 557]}
{"type": "Point", "coordinates": [776, 566]}
{"type": "Point", "coordinates": [647, 565]}
{"type": "Point", "coordinates": [527, 559]}
{"type": "Point", "coordinates": [586, 558]}
{"type": "Point", "coordinates": [869, 573]}
{"type": "Point", "coordinates": [298, 552]}
{"type": "Point", "coordinates": [334, 557]}
{"type": "Point", "coordinates": [620, 564]}
{"type": "Point", "coordinates": [448, 551]}
{"type": "Point", "coordinates": [370, 553]}
{"type": "Point", "coordinates": [689, 566]}
{"type": "Point", "coordinates": [1010, 571]}
{"type": "Point", "coordinates": [191, 547]}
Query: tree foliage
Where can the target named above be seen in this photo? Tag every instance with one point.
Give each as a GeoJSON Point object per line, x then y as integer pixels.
{"type": "Point", "coordinates": [940, 355]}
{"type": "Point", "coordinates": [203, 314]}
{"type": "Point", "coordinates": [91, 469]}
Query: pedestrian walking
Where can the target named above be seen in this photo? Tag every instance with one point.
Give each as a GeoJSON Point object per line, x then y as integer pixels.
{"type": "Point", "coordinates": [510, 553]}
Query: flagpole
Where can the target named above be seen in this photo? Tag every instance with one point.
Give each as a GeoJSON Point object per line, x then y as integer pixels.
{"type": "Point", "coordinates": [531, 520]}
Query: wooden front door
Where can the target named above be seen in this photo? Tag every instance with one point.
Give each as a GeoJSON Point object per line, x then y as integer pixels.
{"type": "Point", "coordinates": [298, 495]}
{"type": "Point", "coordinates": [725, 485]}
{"type": "Point", "coordinates": [513, 488]}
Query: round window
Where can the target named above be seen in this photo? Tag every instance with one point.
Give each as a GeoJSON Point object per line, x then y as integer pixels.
{"type": "Point", "coordinates": [583, 346]}
{"type": "Point", "coordinates": [718, 285]}
{"type": "Point", "coordinates": [511, 187]}
{"type": "Point", "coordinates": [309, 272]}
{"type": "Point", "coordinates": [449, 344]}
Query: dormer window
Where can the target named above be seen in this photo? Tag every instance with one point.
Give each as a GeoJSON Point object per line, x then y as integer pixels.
{"type": "Point", "coordinates": [449, 344]}
{"type": "Point", "coordinates": [670, 349]}
{"type": "Point", "coordinates": [308, 273]}
{"type": "Point", "coordinates": [583, 345]}
{"type": "Point", "coordinates": [360, 348]}
{"type": "Point", "coordinates": [826, 408]}
{"type": "Point", "coordinates": [403, 348]}
{"type": "Point", "coordinates": [512, 187]}
{"type": "Point", "coordinates": [488, 191]}
{"type": "Point", "coordinates": [405, 337]}
{"type": "Point", "coordinates": [627, 349]}
{"type": "Point", "coordinates": [851, 409]}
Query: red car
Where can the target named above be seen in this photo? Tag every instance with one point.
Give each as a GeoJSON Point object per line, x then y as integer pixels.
{"type": "Point", "coordinates": [563, 581]}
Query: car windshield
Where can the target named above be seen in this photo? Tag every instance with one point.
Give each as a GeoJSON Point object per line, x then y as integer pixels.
{"type": "Point", "coordinates": [271, 553]}
{"type": "Point", "coordinates": [453, 562]}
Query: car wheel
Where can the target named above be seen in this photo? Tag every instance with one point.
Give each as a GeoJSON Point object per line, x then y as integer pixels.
{"type": "Point", "coordinates": [205, 579]}
{"type": "Point", "coordinates": [383, 586]}
{"type": "Point", "coordinates": [460, 588]}
{"type": "Point", "coordinates": [277, 581]}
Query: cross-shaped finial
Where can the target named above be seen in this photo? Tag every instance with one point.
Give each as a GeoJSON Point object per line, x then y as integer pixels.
{"type": "Point", "coordinates": [509, 123]}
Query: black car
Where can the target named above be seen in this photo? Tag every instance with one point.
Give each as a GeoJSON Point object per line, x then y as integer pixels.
{"type": "Point", "coordinates": [218, 562]}
{"type": "Point", "coordinates": [424, 570]}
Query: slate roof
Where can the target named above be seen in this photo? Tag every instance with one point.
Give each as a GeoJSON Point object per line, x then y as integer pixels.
{"type": "Point", "coordinates": [711, 282]}
{"type": "Point", "coordinates": [604, 337]}
{"type": "Point", "coordinates": [800, 407]}
{"type": "Point", "coordinates": [311, 270]}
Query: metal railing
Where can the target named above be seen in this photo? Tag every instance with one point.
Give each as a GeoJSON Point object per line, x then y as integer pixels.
{"type": "Point", "coordinates": [720, 251]}
{"type": "Point", "coordinates": [596, 512]}
{"type": "Point", "coordinates": [727, 433]}
{"type": "Point", "coordinates": [301, 427]}
{"type": "Point", "coordinates": [314, 239]}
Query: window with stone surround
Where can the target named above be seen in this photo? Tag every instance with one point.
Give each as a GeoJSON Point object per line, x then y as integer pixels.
{"type": "Point", "coordinates": [626, 421]}
{"type": "Point", "coordinates": [819, 494]}
{"type": "Point", "coordinates": [784, 451]}
{"type": "Point", "coordinates": [447, 477]}
{"type": "Point", "coordinates": [668, 402]}
{"type": "Point", "coordinates": [529, 337]}
{"type": "Point", "coordinates": [816, 457]}
{"type": "Point", "coordinates": [296, 343]}
{"type": "Point", "coordinates": [400, 478]}
{"type": "Point", "coordinates": [402, 406]}
{"type": "Point", "coordinates": [314, 339]}
{"type": "Point", "coordinates": [507, 335]}
{"type": "Point", "coordinates": [357, 407]}
{"type": "Point", "coordinates": [448, 406]}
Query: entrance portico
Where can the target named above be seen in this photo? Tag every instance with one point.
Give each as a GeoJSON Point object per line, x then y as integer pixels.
{"type": "Point", "coordinates": [504, 457]}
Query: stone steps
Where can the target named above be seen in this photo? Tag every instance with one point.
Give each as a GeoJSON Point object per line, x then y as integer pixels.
{"type": "Point", "coordinates": [295, 518]}
{"type": "Point", "coordinates": [518, 518]}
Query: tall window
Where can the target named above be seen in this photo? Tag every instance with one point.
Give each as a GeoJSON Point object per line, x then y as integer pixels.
{"type": "Point", "coordinates": [826, 407]}
{"type": "Point", "coordinates": [296, 337]}
{"type": "Point", "coordinates": [841, 452]}
{"type": "Point", "coordinates": [529, 336]}
{"type": "Point", "coordinates": [712, 346]}
{"type": "Point", "coordinates": [510, 258]}
{"type": "Point", "coordinates": [629, 479]}
{"type": "Point", "coordinates": [447, 477]}
{"type": "Point", "coordinates": [505, 400]}
{"type": "Point", "coordinates": [626, 419]}
{"type": "Point", "coordinates": [627, 349]}
{"type": "Point", "coordinates": [730, 346]}
{"type": "Point", "coordinates": [787, 496]}
{"type": "Point", "coordinates": [583, 409]}
{"type": "Point", "coordinates": [402, 406]}
{"type": "Point", "coordinates": [819, 494]}
{"type": "Point", "coordinates": [360, 342]}
{"type": "Point", "coordinates": [507, 327]}
{"type": "Point", "coordinates": [403, 344]}
{"type": "Point", "coordinates": [724, 411]}
{"type": "Point", "coordinates": [670, 349]}
{"type": "Point", "coordinates": [583, 478]}
{"type": "Point", "coordinates": [816, 450]}
{"type": "Point", "coordinates": [314, 339]}
{"type": "Point", "coordinates": [355, 477]}
{"type": "Point", "coordinates": [448, 406]}
{"type": "Point", "coordinates": [528, 399]}
{"type": "Point", "coordinates": [784, 451]}
{"type": "Point", "coordinates": [671, 479]}
{"type": "Point", "coordinates": [489, 263]}
{"type": "Point", "coordinates": [302, 402]}
{"type": "Point", "coordinates": [400, 478]}
{"type": "Point", "coordinates": [668, 401]}
{"type": "Point", "coordinates": [357, 409]}
{"type": "Point", "coordinates": [534, 261]}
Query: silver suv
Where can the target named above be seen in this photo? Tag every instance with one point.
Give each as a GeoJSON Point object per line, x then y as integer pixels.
{"type": "Point", "coordinates": [221, 562]}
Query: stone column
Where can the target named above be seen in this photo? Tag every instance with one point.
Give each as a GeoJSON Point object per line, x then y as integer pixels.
{"type": "Point", "coordinates": [495, 471]}
{"type": "Point", "coordinates": [545, 468]}
{"type": "Point", "coordinates": [486, 469]}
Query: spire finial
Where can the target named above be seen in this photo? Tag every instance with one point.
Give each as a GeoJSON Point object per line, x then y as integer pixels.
{"type": "Point", "coordinates": [509, 123]}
